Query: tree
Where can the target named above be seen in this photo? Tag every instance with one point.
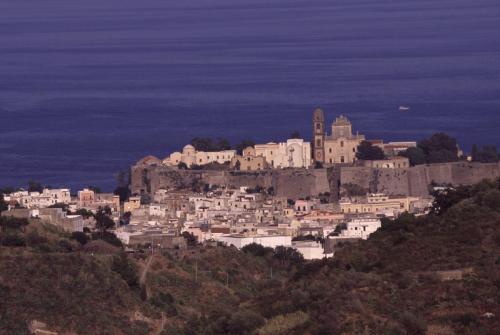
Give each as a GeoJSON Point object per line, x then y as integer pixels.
{"type": "Point", "coordinates": [222, 144]}
{"type": "Point", "coordinates": [367, 151]}
{"type": "Point", "coordinates": [416, 156]}
{"type": "Point", "coordinates": [285, 254]}
{"type": "Point", "coordinates": [439, 148]}
{"type": "Point", "coordinates": [3, 204]}
{"type": "Point", "coordinates": [80, 237]}
{"type": "Point", "coordinates": [190, 238]}
{"type": "Point", "coordinates": [34, 186]}
{"type": "Point", "coordinates": [85, 213]}
{"type": "Point", "coordinates": [182, 166]}
{"type": "Point", "coordinates": [257, 250]}
{"type": "Point", "coordinates": [485, 154]}
{"type": "Point", "coordinates": [243, 322]}
{"type": "Point", "coordinates": [96, 189]}
{"type": "Point", "coordinates": [295, 134]}
{"type": "Point", "coordinates": [475, 153]}
{"type": "Point", "coordinates": [103, 220]}
{"type": "Point", "coordinates": [243, 145]}
{"type": "Point", "coordinates": [8, 223]}
{"type": "Point", "coordinates": [123, 192]}
{"type": "Point", "coordinates": [237, 165]}
{"type": "Point", "coordinates": [126, 269]}
{"type": "Point", "coordinates": [126, 218]}
{"type": "Point", "coordinates": [207, 144]}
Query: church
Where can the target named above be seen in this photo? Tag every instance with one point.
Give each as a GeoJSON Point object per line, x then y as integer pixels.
{"type": "Point", "coordinates": [338, 147]}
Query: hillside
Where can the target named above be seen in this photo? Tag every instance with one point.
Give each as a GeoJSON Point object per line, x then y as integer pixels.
{"type": "Point", "coordinates": [438, 274]}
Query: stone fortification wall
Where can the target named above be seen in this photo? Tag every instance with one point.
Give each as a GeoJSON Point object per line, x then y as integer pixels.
{"type": "Point", "coordinates": [415, 180]}
{"type": "Point", "coordinates": [300, 183]}
{"type": "Point", "coordinates": [291, 183]}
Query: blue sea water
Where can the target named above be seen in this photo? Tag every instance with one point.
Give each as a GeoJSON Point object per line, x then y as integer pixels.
{"type": "Point", "coordinates": [89, 87]}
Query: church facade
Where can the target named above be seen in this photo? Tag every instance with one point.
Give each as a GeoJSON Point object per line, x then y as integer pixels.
{"type": "Point", "coordinates": [338, 147]}
{"type": "Point", "coordinates": [294, 153]}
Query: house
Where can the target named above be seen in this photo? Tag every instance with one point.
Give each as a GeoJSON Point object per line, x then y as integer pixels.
{"type": "Point", "coordinates": [270, 241]}
{"type": "Point", "coordinates": [310, 249]}
{"type": "Point", "coordinates": [360, 228]}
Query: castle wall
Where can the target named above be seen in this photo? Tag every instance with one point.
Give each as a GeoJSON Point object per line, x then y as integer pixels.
{"type": "Point", "coordinates": [300, 183]}
{"type": "Point", "coordinates": [415, 180]}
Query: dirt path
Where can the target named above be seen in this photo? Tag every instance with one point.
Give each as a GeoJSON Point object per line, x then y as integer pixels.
{"type": "Point", "coordinates": [142, 279]}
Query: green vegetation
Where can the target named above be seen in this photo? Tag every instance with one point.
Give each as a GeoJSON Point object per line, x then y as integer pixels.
{"type": "Point", "coordinates": [439, 148]}
{"type": "Point", "coordinates": [368, 151]}
{"type": "Point", "coordinates": [295, 134]}
{"type": "Point", "coordinates": [434, 274]}
{"type": "Point", "coordinates": [243, 145]}
{"type": "Point", "coordinates": [485, 154]}
{"type": "Point", "coordinates": [34, 186]}
{"type": "Point", "coordinates": [3, 204]}
{"type": "Point", "coordinates": [209, 144]}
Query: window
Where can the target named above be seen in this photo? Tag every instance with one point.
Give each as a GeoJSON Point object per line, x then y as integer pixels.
{"type": "Point", "coordinates": [342, 159]}
{"type": "Point", "coordinates": [318, 142]}
{"type": "Point", "coordinates": [353, 149]}
{"type": "Point", "coordinates": [330, 150]}
{"type": "Point", "coordinates": [318, 126]}
{"type": "Point", "coordinates": [331, 160]}
{"type": "Point", "coordinates": [342, 144]}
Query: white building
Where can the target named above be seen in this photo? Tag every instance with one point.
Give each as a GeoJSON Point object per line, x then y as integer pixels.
{"type": "Point", "coordinates": [294, 153]}
{"type": "Point", "coordinates": [310, 249]}
{"type": "Point", "coordinates": [360, 228]}
{"type": "Point", "coordinates": [47, 198]}
{"type": "Point", "coordinates": [270, 241]}
{"type": "Point", "coordinates": [190, 156]}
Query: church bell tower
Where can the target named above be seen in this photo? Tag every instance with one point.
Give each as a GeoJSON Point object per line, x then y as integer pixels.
{"type": "Point", "coordinates": [318, 135]}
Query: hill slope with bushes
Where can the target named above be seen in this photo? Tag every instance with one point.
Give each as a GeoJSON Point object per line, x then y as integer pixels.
{"type": "Point", "coordinates": [435, 274]}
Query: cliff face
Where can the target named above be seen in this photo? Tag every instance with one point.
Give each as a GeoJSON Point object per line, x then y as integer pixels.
{"type": "Point", "coordinates": [298, 183]}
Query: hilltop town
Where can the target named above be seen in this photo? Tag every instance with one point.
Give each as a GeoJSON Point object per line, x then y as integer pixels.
{"type": "Point", "coordinates": [341, 235]}
{"type": "Point", "coordinates": [294, 194]}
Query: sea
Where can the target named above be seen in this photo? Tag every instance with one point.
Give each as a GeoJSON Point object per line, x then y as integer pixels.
{"type": "Point", "coordinates": [89, 87]}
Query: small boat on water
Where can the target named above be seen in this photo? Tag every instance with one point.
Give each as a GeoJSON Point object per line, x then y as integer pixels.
{"type": "Point", "coordinates": [404, 108]}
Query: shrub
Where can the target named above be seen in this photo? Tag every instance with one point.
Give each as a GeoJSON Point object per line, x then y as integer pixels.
{"type": "Point", "coordinates": [13, 240]}
{"type": "Point", "coordinates": [126, 269]}
{"type": "Point", "coordinates": [80, 237]}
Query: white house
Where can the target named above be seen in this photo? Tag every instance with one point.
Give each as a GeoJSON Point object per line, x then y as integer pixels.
{"type": "Point", "coordinates": [360, 228]}
{"type": "Point", "coordinates": [271, 241]}
{"type": "Point", "coordinates": [310, 249]}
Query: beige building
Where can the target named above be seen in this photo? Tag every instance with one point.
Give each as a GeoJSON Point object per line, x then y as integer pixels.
{"type": "Point", "coordinates": [340, 146]}
{"type": "Point", "coordinates": [190, 156]}
{"type": "Point", "coordinates": [132, 204]}
{"type": "Point", "coordinates": [249, 161]}
{"type": "Point", "coordinates": [378, 204]}
{"type": "Point", "coordinates": [293, 153]}
{"type": "Point", "coordinates": [396, 162]}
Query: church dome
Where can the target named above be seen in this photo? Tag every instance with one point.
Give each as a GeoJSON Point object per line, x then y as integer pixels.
{"type": "Point", "coordinates": [188, 148]}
